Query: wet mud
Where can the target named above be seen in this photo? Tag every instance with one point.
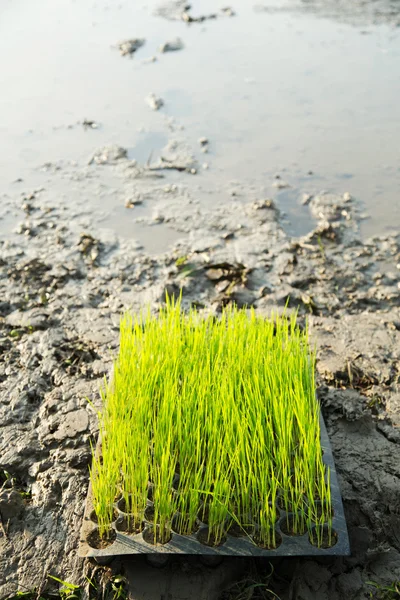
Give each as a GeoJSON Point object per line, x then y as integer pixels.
{"type": "Point", "coordinates": [62, 291]}
{"type": "Point", "coordinates": [67, 272]}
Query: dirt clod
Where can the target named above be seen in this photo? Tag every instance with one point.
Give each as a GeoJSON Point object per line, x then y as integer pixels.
{"type": "Point", "coordinates": [129, 47]}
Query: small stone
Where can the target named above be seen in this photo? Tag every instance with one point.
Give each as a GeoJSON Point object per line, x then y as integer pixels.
{"type": "Point", "coordinates": [228, 11]}
{"type": "Point", "coordinates": [158, 217]}
{"type": "Point", "coordinates": [172, 46]}
{"type": "Point", "coordinates": [203, 141]}
{"type": "Point", "coordinates": [108, 154]}
{"type": "Point", "coordinates": [89, 124]}
{"type": "Point", "coordinates": [280, 185]}
{"type": "Point", "coordinates": [132, 202]}
{"type": "Point", "coordinates": [155, 102]}
{"type": "Point", "coordinates": [168, 189]}
{"type": "Point", "coordinates": [129, 47]}
{"type": "Point", "coordinates": [263, 204]}
{"type": "Point", "coordinates": [186, 17]}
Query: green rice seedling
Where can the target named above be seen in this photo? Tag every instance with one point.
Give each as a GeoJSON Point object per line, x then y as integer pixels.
{"type": "Point", "coordinates": [268, 513]}
{"type": "Point", "coordinates": [218, 510]}
{"type": "Point", "coordinates": [220, 416]}
{"type": "Point", "coordinates": [104, 489]}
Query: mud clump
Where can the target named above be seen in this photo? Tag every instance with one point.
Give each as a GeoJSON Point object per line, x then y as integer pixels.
{"type": "Point", "coordinates": [172, 46]}
{"type": "Point", "coordinates": [180, 10]}
{"type": "Point", "coordinates": [108, 154]}
{"type": "Point", "coordinates": [154, 101]}
{"type": "Point", "coordinates": [129, 47]}
{"type": "Point", "coordinates": [89, 247]}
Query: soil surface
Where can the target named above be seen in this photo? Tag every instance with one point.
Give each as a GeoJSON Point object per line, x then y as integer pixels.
{"type": "Point", "coordinates": [95, 541]}
{"type": "Point", "coordinates": [82, 241]}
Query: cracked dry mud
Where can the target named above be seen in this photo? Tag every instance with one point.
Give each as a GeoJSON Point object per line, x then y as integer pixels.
{"type": "Point", "coordinates": [62, 291]}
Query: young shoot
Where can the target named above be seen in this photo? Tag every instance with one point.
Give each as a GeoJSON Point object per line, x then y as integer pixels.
{"type": "Point", "coordinates": [219, 417]}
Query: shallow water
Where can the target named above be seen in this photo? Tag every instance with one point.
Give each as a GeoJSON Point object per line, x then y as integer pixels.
{"type": "Point", "coordinates": [276, 92]}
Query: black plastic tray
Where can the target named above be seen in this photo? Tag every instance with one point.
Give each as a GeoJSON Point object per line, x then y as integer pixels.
{"type": "Point", "coordinates": [243, 546]}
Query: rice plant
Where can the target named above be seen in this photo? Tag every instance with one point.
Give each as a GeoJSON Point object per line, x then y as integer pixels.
{"type": "Point", "coordinates": [220, 417]}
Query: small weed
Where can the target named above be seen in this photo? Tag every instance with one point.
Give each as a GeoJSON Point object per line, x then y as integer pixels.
{"type": "Point", "coordinates": [186, 268]}
{"type": "Point", "coordinates": [375, 404]}
{"type": "Point", "coordinates": [67, 591]}
{"type": "Point", "coordinates": [6, 479]}
{"type": "Point", "coordinates": [385, 592]}
{"type": "Point", "coordinates": [33, 594]}
{"type": "Point", "coordinates": [17, 332]}
{"type": "Point", "coordinates": [117, 588]}
{"type": "Point", "coordinates": [181, 261]}
{"type": "Point", "coordinates": [108, 588]}
{"type": "Point", "coordinates": [253, 586]}
{"type": "Point", "coordinates": [26, 495]}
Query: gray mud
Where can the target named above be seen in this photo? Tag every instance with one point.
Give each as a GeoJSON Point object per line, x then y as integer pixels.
{"type": "Point", "coordinates": [62, 291]}
{"type": "Point", "coordinates": [178, 207]}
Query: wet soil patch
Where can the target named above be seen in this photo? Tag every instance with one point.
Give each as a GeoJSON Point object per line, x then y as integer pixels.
{"type": "Point", "coordinates": [100, 542]}
{"type": "Point", "coordinates": [150, 492]}
{"type": "Point", "coordinates": [262, 544]}
{"type": "Point", "coordinates": [93, 516]}
{"type": "Point", "coordinates": [288, 526]}
{"type": "Point", "coordinates": [318, 511]}
{"type": "Point", "coordinates": [149, 513]}
{"type": "Point", "coordinates": [155, 536]}
{"type": "Point", "coordinates": [75, 356]}
{"type": "Point", "coordinates": [203, 513]}
{"type": "Point", "coordinates": [326, 539]}
{"type": "Point", "coordinates": [181, 525]}
{"type": "Point", "coordinates": [238, 531]}
{"type": "Point", "coordinates": [47, 440]}
{"type": "Point", "coordinates": [128, 524]}
{"type": "Point", "coordinates": [208, 539]}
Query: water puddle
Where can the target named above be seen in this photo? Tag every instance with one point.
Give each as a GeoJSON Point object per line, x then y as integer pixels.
{"type": "Point", "coordinates": [285, 92]}
{"type": "Point", "coordinates": [155, 239]}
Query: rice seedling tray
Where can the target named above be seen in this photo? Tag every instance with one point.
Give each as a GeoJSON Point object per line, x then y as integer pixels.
{"type": "Point", "coordinates": [287, 545]}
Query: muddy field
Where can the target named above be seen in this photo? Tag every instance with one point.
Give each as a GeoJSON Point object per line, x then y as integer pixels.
{"type": "Point", "coordinates": [68, 268]}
